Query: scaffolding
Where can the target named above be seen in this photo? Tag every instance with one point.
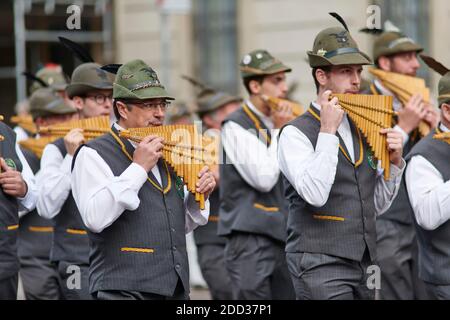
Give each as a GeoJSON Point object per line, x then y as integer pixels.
{"type": "Point", "coordinates": [22, 8]}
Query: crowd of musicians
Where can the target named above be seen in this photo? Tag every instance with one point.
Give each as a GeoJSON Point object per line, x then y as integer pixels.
{"type": "Point", "coordinates": [298, 207]}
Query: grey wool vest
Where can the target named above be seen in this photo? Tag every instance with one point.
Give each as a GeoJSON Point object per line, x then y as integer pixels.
{"type": "Point", "coordinates": [9, 209]}
{"type": "Point", "coordinates": [207, 234]}
{"type": "Point", "coordinates": [400, 210]}
{"type": "Point", "coordinates": [143, 250]}
{"type": "Point", "coordinates": [345, 226]}
{"type": "Point", "coordinates": [242, 208]}
{"type": "Point", "coordinates": [35, 232]}
{"type": "Point", "coordinates": [434, 248]}
{"type": "Point", "coordinates": [70, 239]}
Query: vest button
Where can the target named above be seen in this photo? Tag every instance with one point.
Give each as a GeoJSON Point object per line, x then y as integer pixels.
{"type": "Point", "coordinates": [173, 229]}
{"type": "Point", "coordinates": [177, 266]}
{"type": "Point", "coordinates": [174, 248]}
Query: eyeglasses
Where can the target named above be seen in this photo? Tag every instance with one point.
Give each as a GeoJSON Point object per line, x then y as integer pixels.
{"type": "Point", "coordinates": [151, 105]}
{"type": "Point", "coordinates": [99, 98]}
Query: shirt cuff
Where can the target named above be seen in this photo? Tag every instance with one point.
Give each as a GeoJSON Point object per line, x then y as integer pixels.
{"type": "Point", "coordinates": [66, 165]}
{"type": "Point", "coordinates": [136, 175]}
{"type": "Point", "coordinates": [396, 173]}
{"type": "Point", "coordinates": [328, 143]}
{"type": "Point", "coordinates": [404, 134]}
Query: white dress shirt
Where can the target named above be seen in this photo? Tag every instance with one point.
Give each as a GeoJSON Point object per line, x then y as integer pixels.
{"type": "Point", "coordinates": [428, 193]}
{"type": "Point", "coordinates": [312, 171]}
{"type": "Point", "coordinates": [256, 164]}
{"type": "Point", "coordinates": [21, 134]}
{"type": "Point", "coordinates": [27, 203]}
{"type": "Point", "coordinates": [102, 197]}
{"type": "Point", "coordinates": [397, 107]}
{"type": "Point", "coordinates": [53, 181]}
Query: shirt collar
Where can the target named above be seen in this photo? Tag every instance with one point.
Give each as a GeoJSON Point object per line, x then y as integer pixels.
{"type": "Point", "coordinates": [386, 92]}
{"type": "Point", "coordinates": [267, 120]}
{"type": "Point", "coordinates": [444, 128]}
{"type": "Point", "coordinates": [119, 128]}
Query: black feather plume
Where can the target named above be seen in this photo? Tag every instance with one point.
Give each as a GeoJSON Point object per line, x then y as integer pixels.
{"type": "Point", "coordinates": [373, 31]}
{"type": "Point", "coordinates": [435, 65]}
{"type": "Point", "coordinates": [340, 19]}
{"type": "Point", "coordinates": [195, 82]}
{"type": "Point", "coordinates": [33, 78]}
{"type": "Point", "coordinates": [111, 68]}
{"type": "Point", "coordinates": [78, 50]}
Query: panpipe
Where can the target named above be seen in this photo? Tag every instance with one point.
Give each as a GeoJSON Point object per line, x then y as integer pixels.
{"type": "Point", "coordinates": [183, 150]}
{"type": "Point", "coordinates": [274, 104]}
{"type": "Point", "coordinates": [37, 145]}
{"type": "Point", "coordinates": [445, 136]}
{"type": "Point", "coordinates": [92, 128]}
{"type": "Point", "coordinates": [404, 87]}
{"type": "Point", "coordinates": [25, 122]}
{"type": "Point", "coordinates": [371, 114]}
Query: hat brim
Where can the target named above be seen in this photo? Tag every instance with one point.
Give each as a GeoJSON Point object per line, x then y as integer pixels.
{"type": "Point", "coordinates": [359, 58]}
{"type": "Point", "coordinates": [80, 89]}
{"type": "Point", "coordinates": [403, 48]}
{"type": "Point", "coordinates": [219, 103]}
{"type": "Point", "coordinates": [267, 72]}
{"type": "Point", "coordinates": [59, 109]}
{"type": "Point", "coordinates": [141, 94]}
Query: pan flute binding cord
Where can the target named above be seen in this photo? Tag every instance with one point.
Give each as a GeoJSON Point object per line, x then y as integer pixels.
{"type": "Point", "coordinates": [404, 87]}
{"type": "Point", "coordinates": [25, 122]}
{"type": "Point", "coordinates": [443, 136]}
{"type": "Point", "coordinates": [92, 128]}
{"type": "Point", "coordinates": [184, 150]}
{"type": "Point", "coordinates": [274, 104]}
{"type": "Point", "coordinates": [371, 114]}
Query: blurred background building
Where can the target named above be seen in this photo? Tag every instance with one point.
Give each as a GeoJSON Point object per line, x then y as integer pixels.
{"type": "Point", "coordinates": [201, 38]}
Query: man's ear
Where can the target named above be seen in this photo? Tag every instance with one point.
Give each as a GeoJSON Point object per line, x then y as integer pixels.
{"type": "Point", "coordinates": [255, 87]}
{"type": "Point", "coordinates": [384, 63]}
{"type": "Point", "coordinates": [122, 108]}
{"type": "Point", "coordinates": [78, 103]}
{"type": "Point", "coordinates": [322, 77]}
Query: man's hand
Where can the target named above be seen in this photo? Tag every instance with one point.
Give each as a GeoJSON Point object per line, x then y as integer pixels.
{"type": "Point", "coordinates": [432, 117]}
{"type": "Point", "coordinates": [148, 152]}
{"type": "Point", "coordinates": [282, 115]}
{"type": "Point", "coordinates": [331, 114]}
{"type": "Point", "coordinates": [206, 183]}
{"type": "Point", "coordinates": [73, 140]}
{"type": "Point", "coordinates": [12, 182]}
{"type": "Point", "coordinates": [410, 116]}
{"type": "Point", "coordinates": [395, 146]}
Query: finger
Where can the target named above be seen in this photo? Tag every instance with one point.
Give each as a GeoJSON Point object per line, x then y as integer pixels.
{"type": "Point", "coordinates": [334, 101]}
{"type": "Point", "coordinates": [4, 166]}
{"type": "Point", "coordinates": [325, 97]}
{"type": "Point", "coordinates": [204, 170]}
{"type": "Point", "coordinates": [148, 139]}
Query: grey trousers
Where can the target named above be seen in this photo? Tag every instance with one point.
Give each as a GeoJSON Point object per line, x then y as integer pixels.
{"type": "Point", "coordinates": [211, 258]}
{"type": "Point", "coordinates": [40, 279]}
{"type": "Point", "coordinates": [8, 287]}
{"type": "Point", "coordinates": [438, 292]}
{"type": "Point", "coordinates": [257, 268]}
{"type": "Point", "coordinates": [179, 294]}
{"type": "Point", "coordinates": [323, 277]}
{"type": "Point", "coordinates": [397, 256]}
{"type": "Point", "coordinates": [74, 285]}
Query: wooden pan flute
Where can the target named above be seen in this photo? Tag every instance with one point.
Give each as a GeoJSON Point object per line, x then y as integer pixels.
{"type": "Point", "coordinates": [274, 103]}
{"type": "Point", "coordinates": [404, 87]}
{"type": "Point", "coordinates": [183, 151]}
{"type": "Point", "coordinates": [371, 114]}
{"type": "Point", "coordinates": [92, 128]}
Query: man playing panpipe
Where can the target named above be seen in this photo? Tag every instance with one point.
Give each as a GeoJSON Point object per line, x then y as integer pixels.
{"type": "Point", "coordinates": [334, 187]}
{"type": "Point", "coordinates": [253, 209]}
{"type": "Point", "coordinates": [90, 90]}
{"type": "Point", "coordinates": [396, 240]}
{"type": "Point", "coordinates": [213, 107]}
{"type": "Point", "coordinates": [39, 276]}
{"type": "Point", "coordinates": [134, 207]}
{"type": "Point", "coordinates": [428, 183]}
